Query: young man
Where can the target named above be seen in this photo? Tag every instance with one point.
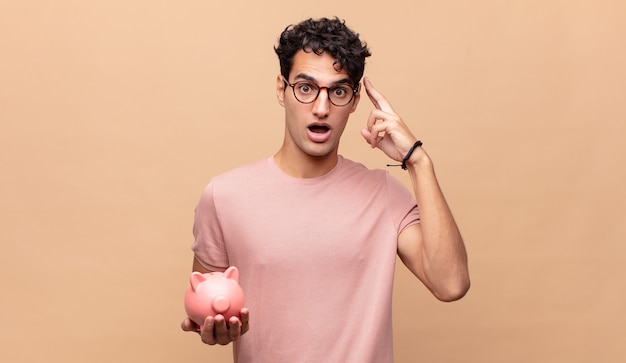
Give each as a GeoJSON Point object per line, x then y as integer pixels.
{"type": "Point", "coordinates": [315, 235]}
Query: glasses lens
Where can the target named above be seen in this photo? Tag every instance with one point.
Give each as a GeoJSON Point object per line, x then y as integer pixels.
{"type": "Point", "coordinates": [306, 92]}
{"type": "Point", "coordinates": [340, 95]}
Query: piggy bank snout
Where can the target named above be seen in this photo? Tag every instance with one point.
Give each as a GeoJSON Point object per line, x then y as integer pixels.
{"type": "Point", "coordinates": [221, 304]}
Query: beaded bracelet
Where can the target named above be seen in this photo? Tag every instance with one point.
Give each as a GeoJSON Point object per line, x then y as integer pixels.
{"type": "Point", "coordinates": [408, 155]}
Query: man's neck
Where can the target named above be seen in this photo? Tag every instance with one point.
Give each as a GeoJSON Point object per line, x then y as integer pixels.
{"type": "Point", "coordinates": [301, 165]}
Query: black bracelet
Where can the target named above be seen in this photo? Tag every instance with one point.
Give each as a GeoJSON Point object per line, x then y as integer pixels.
{"type": "Point", "coordinates": [408, 155]}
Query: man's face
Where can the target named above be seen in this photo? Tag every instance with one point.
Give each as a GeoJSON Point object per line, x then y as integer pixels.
{"type": "Point", "coordinates": [314, 128]}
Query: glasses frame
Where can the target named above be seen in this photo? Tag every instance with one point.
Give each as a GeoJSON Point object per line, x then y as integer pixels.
{"type": "Point", "coordinates": [355, 90]}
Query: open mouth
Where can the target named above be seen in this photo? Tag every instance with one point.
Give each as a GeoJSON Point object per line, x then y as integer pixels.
{"type": "Point", "coordinates": [319, 133]}
{"type": "Point", "coordinates": [318, 129]}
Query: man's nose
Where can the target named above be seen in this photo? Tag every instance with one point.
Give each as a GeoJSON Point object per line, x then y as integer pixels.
{"type": "Point", "coordinates": [321, 106]}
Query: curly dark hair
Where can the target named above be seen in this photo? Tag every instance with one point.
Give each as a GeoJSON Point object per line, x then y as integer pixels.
{"type": "Point", "coordinates": [319, 36]}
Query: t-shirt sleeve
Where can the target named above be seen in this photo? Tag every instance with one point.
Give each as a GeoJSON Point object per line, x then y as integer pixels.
{"type": "Point", "coordinates": [404, 209]}
{"type": "Point", "coordinates": [208, 246]}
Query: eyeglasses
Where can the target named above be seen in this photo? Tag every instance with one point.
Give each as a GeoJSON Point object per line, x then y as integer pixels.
{"type": "Point", "coordinates": [307, 92]}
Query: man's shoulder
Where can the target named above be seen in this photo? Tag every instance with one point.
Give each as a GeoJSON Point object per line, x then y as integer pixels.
{"type": "Point", "coordinates": [369, 177]}
{"type": "Point", "coordinates": [354, 167]}
{"type": "Point", "coordinates": [246, 170]}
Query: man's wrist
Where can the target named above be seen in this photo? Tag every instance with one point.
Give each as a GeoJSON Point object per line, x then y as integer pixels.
{"type": "Point", "coordinates": [416, 155]}
{"type": "Point", "coordinates": [419, 159]}
{"type": "Point", "coordinates": [409, 153]}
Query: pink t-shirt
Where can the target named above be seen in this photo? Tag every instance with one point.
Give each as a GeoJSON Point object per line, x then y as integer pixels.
{"type": "Point", "coordinates": [316, 258]}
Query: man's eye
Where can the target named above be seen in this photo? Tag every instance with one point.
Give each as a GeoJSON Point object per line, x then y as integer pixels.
{"type": "Point", "coordinates": [340, 92]}
{"type": "Point", "coordinates": [305, 88]}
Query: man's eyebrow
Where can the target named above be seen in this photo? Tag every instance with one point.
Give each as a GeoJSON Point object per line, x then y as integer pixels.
{"type": "Point", "coordinates": [309, 78]}
{"type": "Point", "coordinates": [305, 77]}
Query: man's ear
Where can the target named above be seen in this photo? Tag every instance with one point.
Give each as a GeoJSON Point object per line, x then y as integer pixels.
{"type": "Point", "coordinates": [280, 90]}
{"type": "Point", "coordinates": [356, 99]}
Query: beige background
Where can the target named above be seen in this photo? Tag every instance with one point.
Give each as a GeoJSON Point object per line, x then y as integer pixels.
{"type": "Point", "coordinates": [115, 114]}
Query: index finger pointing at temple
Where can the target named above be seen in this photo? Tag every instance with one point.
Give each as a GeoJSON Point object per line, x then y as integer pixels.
{"type": "Point", "coordinates": [376, 97]}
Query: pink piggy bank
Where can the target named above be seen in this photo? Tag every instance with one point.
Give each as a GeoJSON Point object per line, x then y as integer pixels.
{"type": "Point", "coordinates": [214, 293]}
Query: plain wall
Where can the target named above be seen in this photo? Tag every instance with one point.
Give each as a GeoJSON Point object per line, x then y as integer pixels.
{"type": "Point", "coordinates": [115, 114]}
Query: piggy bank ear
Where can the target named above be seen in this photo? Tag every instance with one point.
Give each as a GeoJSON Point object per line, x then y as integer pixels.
{"type": "Point", "coordinates": [232, 273]}
{"type": "Point", "coordinates": [195, 280]}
